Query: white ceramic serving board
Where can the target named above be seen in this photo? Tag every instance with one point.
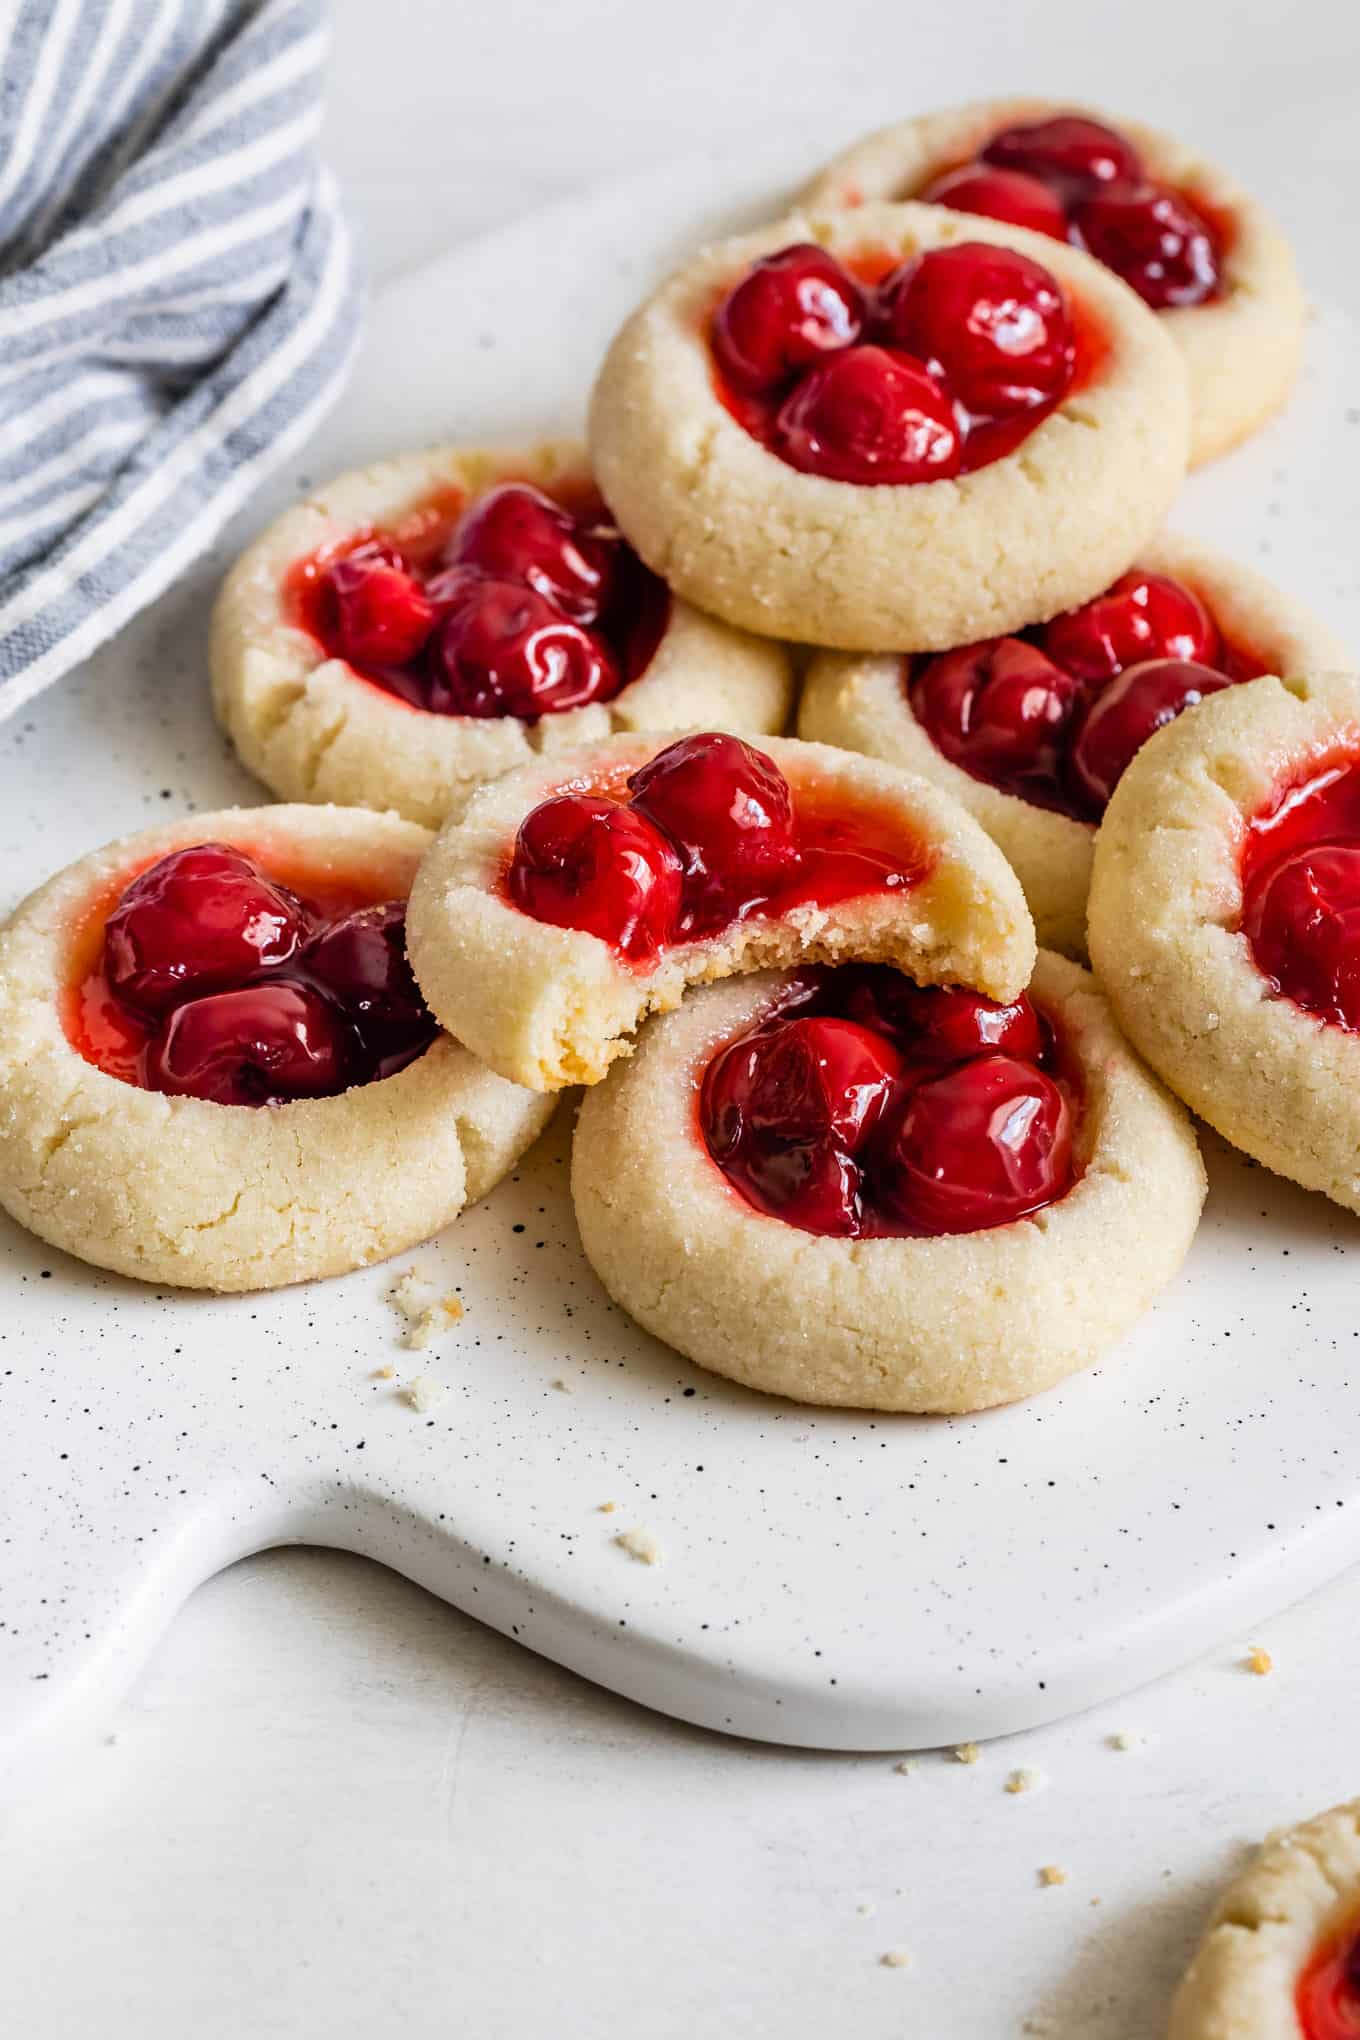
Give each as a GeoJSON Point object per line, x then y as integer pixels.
{"type": "Point", "coordinates": [833, 1579]}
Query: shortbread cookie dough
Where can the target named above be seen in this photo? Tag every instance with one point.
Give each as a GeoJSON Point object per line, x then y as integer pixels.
{"type": "Point", "coordinates": [952, 1323]}
{"type": "Point", "coordinates": [911, 567]}
{"type": "Point", "coordinates": [1166, 927]}
{"type": "Point", "coordinates": [1241, 347]}
{"type": "Point", "coordinates": [1280, 1958]}
{"type": "Point", "coordinates": [553, 1005]}
{"type": "Point", "coordinates": [863, 704]}
{"type": "Point", "coordinates": [178, 1190]}
{"type": "Point", "coordinates": [313, 729]}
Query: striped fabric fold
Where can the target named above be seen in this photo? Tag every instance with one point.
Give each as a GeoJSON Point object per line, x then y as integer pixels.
{"type": "Point", "coordinates": [178, 297]}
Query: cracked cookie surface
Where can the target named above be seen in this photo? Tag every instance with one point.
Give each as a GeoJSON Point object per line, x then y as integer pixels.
{"type": "Point", "coordinates": [1295, 1910]}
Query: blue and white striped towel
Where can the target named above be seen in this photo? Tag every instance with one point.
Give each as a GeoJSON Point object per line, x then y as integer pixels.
{"type": "Point", "coordinates": [178, 299]}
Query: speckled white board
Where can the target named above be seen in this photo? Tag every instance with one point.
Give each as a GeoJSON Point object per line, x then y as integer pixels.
{"type": "Point", "coordinates": [825, 1578]}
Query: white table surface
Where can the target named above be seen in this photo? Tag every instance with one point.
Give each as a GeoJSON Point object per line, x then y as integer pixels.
{"type": "Point", "coordinates": [331, 1805]}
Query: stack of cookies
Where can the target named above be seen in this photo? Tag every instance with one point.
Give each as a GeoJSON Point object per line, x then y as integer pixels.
{"type": "Point", "coordinates": [859, 1011]}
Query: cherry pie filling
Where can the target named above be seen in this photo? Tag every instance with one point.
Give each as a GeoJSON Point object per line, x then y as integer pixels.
{"type": "Point", "coordinates": [512, 605]}
{"type": "Point", "coordinates": [914, 373]}
{"type": "Point", "coordinates": [206, 975]}
{"type": "Point", "coordinates": [1055, 714]}
{"type": "Point", "coordinates": [707, 833]}
{"type": "Point", "coordinates": [1327, 1999]}
{"type": "Point", "coordinates": [1080, 181]}
{"type": "Point", "coordinates": [866, 1106]}
{"type": "Point", "coordinates": [1301, 892]}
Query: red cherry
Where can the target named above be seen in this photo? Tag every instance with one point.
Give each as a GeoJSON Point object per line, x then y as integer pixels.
{"type": "Point", "coordinates": [503, 650]}
{"type": "Point", "coordinates": [1124, 715]}
{"type": "Point", "coordinates": [785, 1111]}
{"type": "Point", "coordinates": [789, 311]}
{"type": "Point", "coordinates": [991, 322]}
{"type": "Point", "coordinates": [1000, 710]}
{"type": "Point", "coordinates": [999, 195]}
{"type": "Point", "coordinates": [728, 809]}
{"type": "Point", "coordinates": [360, 960]}
{"type": "Point", "coordinates": [1142, 616]}
{"type": "Point", "coordinates": [979, 1145]}
{"type": "Point", "coordinates": [811, 1079]}
{"type": "Point", "coordinates": [196, 921]}
{"type": "Point", "coordinates": [377, 612]}
{"type": "Point", "coordinates": [1302, 919]}
{"type": "Point", "coordinates": [1068, 152]}
{"type": "Point", "coordinates": [870, 416]}
{"type": "Point", "coordinates": [516, 533]}
{"type": "Point", "coordinates": [1154, 239]}
{"type": "Point", "coordinates": [259, 1045]}
{"type": "Point", "coordinates": [939, 1023]}
{"type": "Point", "coordinates": [584, 862]}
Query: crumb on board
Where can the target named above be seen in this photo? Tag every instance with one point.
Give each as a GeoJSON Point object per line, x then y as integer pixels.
{"type": "Point", "coordinates": [904, 1767]}
{"type": "Point", "coordinates": [564, 1385]}
{"type": "Point", "coordinates": [425, 1393]}
{"type": "Point", "coordinates": [1051, 1873]}
{"type": "Point", "coordinates": [608, 1508]}
{"type": "Point", "coordinates": [1122, 1740]}
{"type": "Point", "coordinates": [641, 1545]}
{"type": "Point", "coordinates": [1025, 1780]}
{"type": "Point", "coordinates": [424, 1313]}
{"type": "Point", "coordinates": [967, 1753]}
{"type": "Point", "coordinates": [866, 1908]}
{"type": "Point", "coordinates": [895, 1958]}
{"type": "Point", "coordinates": [1259, 1661]}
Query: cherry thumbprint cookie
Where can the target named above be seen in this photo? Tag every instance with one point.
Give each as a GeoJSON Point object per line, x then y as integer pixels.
{"type": "Point", "coordinates": [843, 1186]}
{"type": "Point", "coordinates": [430, 622]}
{"type": "Point", "coordinates": [216, 1067]}
{"type": "Point", "coordinates": [1033, 731]}
{"type": "Point", "coordinates": [1225, 920]}
{"type": "Point", "coordinates": [1197, 249]}
{"type": "Point", "coordinates": [1280, 1957]}
{"type": "Point", "coordinates": [890, 429]}
{"type": "Point", "coordinates": [576, 896]}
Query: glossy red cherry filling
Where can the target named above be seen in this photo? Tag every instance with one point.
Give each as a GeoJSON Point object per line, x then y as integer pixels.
{"type": "Point", "coordinates": [1054, 716]}
{"type": "Point", "coordinates": [864, 1105]}
{"type": "Point", "coordinates": [947, 364]}
{"type": "Point", "coordinates": [209, 979]}
{"type": "Point", "coordinates": [1327, 1998]}
{"type": "Point", "coordinates": [706, 833]}
{"type": "Point", "coordinates": [515, 606]}
{"type": "Point", "coordinates": [1076, 179]}
{"type": "Point", "coordinates": [1301, 894]}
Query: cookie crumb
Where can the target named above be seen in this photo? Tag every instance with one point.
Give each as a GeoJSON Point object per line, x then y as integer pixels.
{"type": "Point", "coordinates": [1122, 1740]}
{"type": "Point", "coordinates": [425, 1393]}
{"type": "Point", "coordinates": [967, 1753]}
{"type": "Point", "coordinates": [866, 1908]}
{"type": "Point", "coordinates": [384, 1373]}
{"type": "Point", "coordinates": [423, 1312]}
{"type": "Point", "coordinates": [1259, 1661]}
{"type": "Point", "coordinates": [895, 1958]}
{"type": "Point", "coordinates": [1052, 1874]}
{"type": "Point", "coordinates": [641, 1545]}
{"type": "Point", "coordinates": [608, 1508]}
{"type": "Point", "coordinates": [1025, 1780]}
{"type": "Point", "coordinates": [904, 1767]}
{"type": "Point", "coordinates": [565, 1386]}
